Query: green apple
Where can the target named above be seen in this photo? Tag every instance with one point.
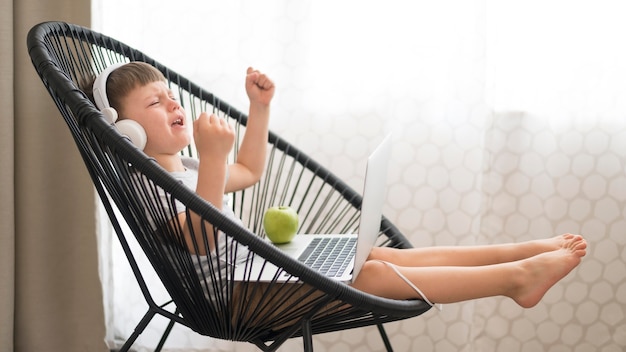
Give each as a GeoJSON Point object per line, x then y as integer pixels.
{"type": "Point", "coordinates": [280, 224]}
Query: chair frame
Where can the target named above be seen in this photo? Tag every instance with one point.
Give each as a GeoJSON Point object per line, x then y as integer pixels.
{"type": "Point", "coordinates": [64, 55]}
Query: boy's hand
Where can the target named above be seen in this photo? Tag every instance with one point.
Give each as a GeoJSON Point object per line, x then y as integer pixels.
{"type": "Point", "coordinates": [259, 87]}
{"type": "Point", "coordinates": [213, 136]}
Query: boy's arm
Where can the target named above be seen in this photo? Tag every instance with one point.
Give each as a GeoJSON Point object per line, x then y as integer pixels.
{"type": "Point", "coordinates": [250, 162]}
{"type": "Point", "coordinates": [214, 139]}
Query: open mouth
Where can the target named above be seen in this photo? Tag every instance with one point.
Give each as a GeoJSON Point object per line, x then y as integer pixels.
{"type": "Point", "coordinates": [178, 122]}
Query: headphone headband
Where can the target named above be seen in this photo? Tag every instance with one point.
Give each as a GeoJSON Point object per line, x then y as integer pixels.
{"type": "Point", "coordinates": [100, 86]}
{"type": "Point", "coordinates": [129, 128]}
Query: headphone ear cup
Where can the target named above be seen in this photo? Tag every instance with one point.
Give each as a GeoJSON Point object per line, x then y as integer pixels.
{"type": "Point", "coordinates": [110, 114]}
{"type": "Point", "coordinates": [133, 130]}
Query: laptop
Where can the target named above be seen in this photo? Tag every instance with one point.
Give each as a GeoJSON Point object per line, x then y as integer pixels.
{"type": "Point", "coordinates": [339, 256]}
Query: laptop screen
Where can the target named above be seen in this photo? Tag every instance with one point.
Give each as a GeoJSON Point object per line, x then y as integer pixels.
{"type": "Point", "coordinates": [374, 194]}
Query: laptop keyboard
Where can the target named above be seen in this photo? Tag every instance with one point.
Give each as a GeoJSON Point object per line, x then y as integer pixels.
{"type": "Point", "coordinates": [330, 256]}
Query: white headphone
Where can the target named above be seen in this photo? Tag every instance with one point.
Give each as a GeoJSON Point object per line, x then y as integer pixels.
{"type": "Point", "coordinates": [129, 128]}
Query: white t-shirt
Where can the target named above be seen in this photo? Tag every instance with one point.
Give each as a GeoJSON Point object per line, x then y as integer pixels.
{"type": "Point", "coordinates": [189, 178]}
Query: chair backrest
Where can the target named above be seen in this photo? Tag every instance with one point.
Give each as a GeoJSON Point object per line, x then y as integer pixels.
{"type": "Point", "coordinates": [135, 187]}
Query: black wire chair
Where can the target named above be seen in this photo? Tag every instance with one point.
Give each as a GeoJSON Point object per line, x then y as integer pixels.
{"type": "Point", "coordinates": [207, 301]}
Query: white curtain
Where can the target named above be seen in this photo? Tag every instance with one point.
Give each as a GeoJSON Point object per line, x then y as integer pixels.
{"type": "Point", "coordinates": [509, 121]}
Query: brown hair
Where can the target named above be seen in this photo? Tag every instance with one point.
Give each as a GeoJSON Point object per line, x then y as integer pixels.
{"type": "Point", "coordinates": [124, 79]}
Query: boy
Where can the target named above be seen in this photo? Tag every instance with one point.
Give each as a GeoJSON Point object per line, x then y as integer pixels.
{"type": "Point", "coordinates": [522, 271]}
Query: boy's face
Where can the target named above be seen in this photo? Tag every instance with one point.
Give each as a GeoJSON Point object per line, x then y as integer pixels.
{"type": "Point", "coordinates": [155, 108]}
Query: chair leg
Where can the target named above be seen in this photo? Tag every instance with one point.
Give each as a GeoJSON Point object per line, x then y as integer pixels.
{"type": "Point", "coordinates": [307, 335]}
{"type": "Point", "coordinates": [138, 330]}
{"type": "Point", "coordinates": [166, 334]}
{"type": "Point", "coordinates": [385, 338]}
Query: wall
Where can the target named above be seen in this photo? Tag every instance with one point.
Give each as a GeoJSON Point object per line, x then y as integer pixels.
{"type": "Point", "coordinates": [475, 161]}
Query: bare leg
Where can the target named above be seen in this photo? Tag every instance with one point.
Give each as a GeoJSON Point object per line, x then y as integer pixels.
{"type": "Point", "coordinates": [471, 255]}
{"type": "Point", "coordinates": [525, 281]}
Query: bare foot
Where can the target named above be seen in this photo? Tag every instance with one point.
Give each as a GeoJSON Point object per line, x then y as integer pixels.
{"type": "Point", "coordinates": [554, 243]}
{"type": "Point", "coordinates": [544, 270]}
